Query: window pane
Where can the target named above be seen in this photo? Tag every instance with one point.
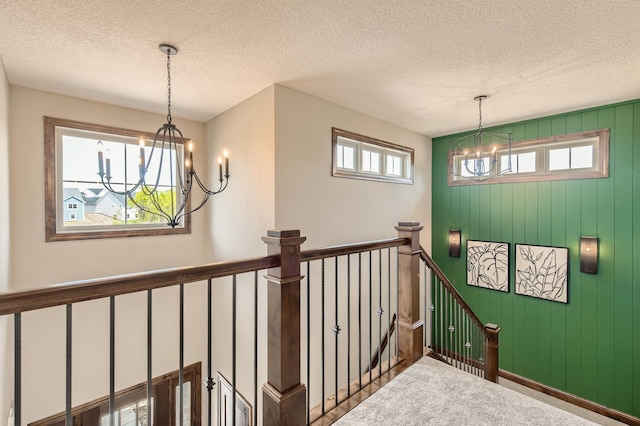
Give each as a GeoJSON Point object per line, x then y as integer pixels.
{"type": "Point", "coordinates": [504, 163]}
{"type": "Point", "coordinates": [370, 161]}
{"type": "Point", "coordinates": [128, 416]}
{"type": "Point", "coordinates": [394, 165]}
{"type": "Point", "coordinates": [345, 157]}
{"type": "Point", "coordinates": [527, 162]}
{"type": "Point", "coordinates": [559, 159]}
{"type": "Point", "coordinates": [186, 403]}
{"type": "Point", "coordinates": [582, 157]}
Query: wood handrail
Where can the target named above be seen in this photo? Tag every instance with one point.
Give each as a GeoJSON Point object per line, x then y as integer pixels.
{"type": "Point", "coordinates": [80, 291]}
{"type": "Point", "coordinates": [342, 250]}
{"type": "Point", "coordinates": [454, 292]}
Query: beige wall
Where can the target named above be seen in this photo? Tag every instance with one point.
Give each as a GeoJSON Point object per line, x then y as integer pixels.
{"type": "Point", "coordinates": [4, 235]}
{"type": "Point", "coordinates": [35, 263]}
{"type": "Point", "coordinates": [330, 210]}
{"type": "Point", "coordinates": [241, 215]}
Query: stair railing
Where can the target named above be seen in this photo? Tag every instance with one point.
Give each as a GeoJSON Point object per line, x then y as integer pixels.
{"type": "Point", "coordinates": [457, 337]}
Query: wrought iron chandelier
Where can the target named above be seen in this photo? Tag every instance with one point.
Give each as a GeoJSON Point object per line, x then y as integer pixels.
{"type": "Point", "coordinates": [169, 150]}
{"type": "Point", "coordinates": [475, 156]}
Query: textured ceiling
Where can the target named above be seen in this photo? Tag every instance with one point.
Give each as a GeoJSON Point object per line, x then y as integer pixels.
{"type": "Point", "coordinates": [417, 64]}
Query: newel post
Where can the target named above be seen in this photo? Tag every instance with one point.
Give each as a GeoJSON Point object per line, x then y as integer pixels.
{"type": "Point", "coordinates": [491, 352]}
{"type": "Point", "coordinates": [283, 396]}
{"type": "Point", "coordinates": [410, 326]}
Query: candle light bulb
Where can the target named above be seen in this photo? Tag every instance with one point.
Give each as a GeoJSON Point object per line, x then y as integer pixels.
{"type": "Point", "coordinates": [107, 154]}
{"type": "Point", "coordinates": [226, 154]}
{"type": "Point", "coordinates": [190, 146]}
{"type": "Point", "coordinates": [187, 163]}
{"type": "Point", "coordinates": [219, 160]}
{"type": "Point", "coordinates": [493, 151]}
{"type": "Point", "coordinates": [141, 143]}
{"type": "Point", "coordinates": [100, 147]}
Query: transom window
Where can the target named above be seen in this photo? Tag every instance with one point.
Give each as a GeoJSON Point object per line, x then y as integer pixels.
{"type": "Point", "coordinates": [72, 183]}
{"type": "Point", "coordinates": [574, 156]}
{"type": "Point", "coordinates": [361, 157]}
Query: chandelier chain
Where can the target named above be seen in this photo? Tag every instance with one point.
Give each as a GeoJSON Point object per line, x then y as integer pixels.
{"type": "Point", "coordinates": [168, 86]}
{"type": "Point", "coordinates": [480, 114]}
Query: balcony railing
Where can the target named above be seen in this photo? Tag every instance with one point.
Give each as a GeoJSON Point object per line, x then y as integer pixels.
{"type": "Point", "coordinates": [337, 318]}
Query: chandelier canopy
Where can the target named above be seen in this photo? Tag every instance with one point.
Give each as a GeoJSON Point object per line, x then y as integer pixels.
{"type": "Point", "coordinates": [167, 158]}
{"type": "Point", "coordinates": [480, 155]}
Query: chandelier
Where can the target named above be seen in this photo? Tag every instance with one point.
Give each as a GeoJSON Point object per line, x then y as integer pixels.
{"type": "Point", "coordinates": [480, 155]}
{"type": "Point", "coordinates": [166, 157]}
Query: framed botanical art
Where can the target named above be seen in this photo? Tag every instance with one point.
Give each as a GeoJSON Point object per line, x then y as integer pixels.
{"type": "Point", "coordinates": [488, 265]}
{"type": "Point", "coordinates": [542, 272]}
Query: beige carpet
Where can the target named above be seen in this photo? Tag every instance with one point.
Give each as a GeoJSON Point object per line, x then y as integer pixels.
{"type": "Point", "coordinates": [433, 393]}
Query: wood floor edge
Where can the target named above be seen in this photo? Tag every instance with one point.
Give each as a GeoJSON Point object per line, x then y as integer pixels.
{"type": "Point", "coordinates": [572, 399]}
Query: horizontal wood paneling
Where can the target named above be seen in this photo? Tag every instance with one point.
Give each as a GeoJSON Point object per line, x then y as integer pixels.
{"type": "Point", "coordinates": [588, 346]}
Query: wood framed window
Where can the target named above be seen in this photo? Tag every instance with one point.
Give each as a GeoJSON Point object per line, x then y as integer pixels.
{"type": "Point", "coordinates": [72, 183]}
{"type": "Point", "coordinates": [131, 405]}
{"type": "Point", "coordinates": [362, 157]}
{"type": "Point", "coordinates": [583, 155]}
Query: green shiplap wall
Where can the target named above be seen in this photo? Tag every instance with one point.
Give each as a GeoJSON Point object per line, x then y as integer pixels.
{"type": "Point", "coordinates": [589, 347]}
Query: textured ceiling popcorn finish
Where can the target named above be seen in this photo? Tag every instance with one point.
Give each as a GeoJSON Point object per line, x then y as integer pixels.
{"type": "Point", "coordinates": [417, 64]}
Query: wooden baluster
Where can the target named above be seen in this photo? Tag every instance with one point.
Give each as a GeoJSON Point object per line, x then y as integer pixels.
{"type": "Point", "coordinates": [410, 325]}
{"type": "Point", "coordinates": [284, 397]}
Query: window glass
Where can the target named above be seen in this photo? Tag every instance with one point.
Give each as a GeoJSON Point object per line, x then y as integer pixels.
{"type": "Point", "coordinates": [582, 157]}
{"type": "Point", "coordinates": [186, 403]}
{"type": "Point", "coordinates": [523, 162]}
{"type": "Point", "coordinates": [346, 157]}
{"type": "Point", "coordinates": [394, 165]}
{"type": "Point", "coordinates": [370, 161]}
{"type": "Point", "coordinates": [559, 159]}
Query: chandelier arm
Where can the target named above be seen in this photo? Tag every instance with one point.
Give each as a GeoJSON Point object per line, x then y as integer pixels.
{"type": "Point", "coordinates": [183, 203]}
{"type": "Point", "coordinates": [221, 187]}
{"type": "Point", "coordinates": [110, 188]}
{"type": "Point", "coordinates": [179, 164]}
{"type": "Point", "coordinates": [205, 198]}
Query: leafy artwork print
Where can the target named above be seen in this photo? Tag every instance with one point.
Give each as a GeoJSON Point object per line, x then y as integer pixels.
{"type": "Point", "coordinates": [488, 265]}
{"type": "Point", "coordinates": [542, 272]}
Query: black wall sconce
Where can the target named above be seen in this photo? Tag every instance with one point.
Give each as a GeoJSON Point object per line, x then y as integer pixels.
{"type": "Point", "coordinates": [454, 243]}
{"type": "Point", "coordinates": [589, 255]}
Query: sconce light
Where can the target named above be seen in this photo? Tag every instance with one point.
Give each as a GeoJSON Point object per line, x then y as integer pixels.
{"type": "Point", "coordinates": [454, 243]}
{"type": "Point", "coordinates": [589, 255]}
